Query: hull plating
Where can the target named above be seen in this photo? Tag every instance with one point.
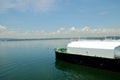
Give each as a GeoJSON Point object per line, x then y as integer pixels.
{"type": "Point", "coordinates": [97, 62]}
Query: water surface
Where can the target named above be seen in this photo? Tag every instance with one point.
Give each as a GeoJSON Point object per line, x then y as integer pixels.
{"type": "Point", "coordinates": [35, 60]}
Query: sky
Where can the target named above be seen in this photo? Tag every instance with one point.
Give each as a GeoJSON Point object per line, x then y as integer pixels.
{"type": "Point", "coordinates": [59, 18]}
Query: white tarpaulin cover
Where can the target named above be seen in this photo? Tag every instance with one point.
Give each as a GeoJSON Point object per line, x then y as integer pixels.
{"type": "Point", "coordinates": [94, 44]}
{"type": "Point", "coordinates": [105, 49]}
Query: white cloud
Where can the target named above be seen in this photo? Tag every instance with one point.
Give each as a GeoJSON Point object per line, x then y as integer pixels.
{"type": "Point", "coordinates": [61, 32]}
{"type": "Point", "coordinates": [2, 27]}
{"type": "Point", "coordinates": [72, 28]}
{"type": "Point", "coordinates": [27, 5]}
{"type": "Point", "coordinates": [86, 28]}
{"type": "Point", "coordinates": [85, 31]}
{"type": "Point", "coordinates": [103, 13]}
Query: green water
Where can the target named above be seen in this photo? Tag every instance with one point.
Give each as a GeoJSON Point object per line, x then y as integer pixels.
{"type": "Point", "coordinates": [35, 60]}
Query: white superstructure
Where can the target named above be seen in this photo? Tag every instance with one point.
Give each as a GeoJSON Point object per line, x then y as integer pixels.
{"type": "Point", "coordinates": [106, 49]}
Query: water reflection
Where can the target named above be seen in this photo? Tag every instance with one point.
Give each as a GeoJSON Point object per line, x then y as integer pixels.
{"type": "Point", "coordinates": [53, 43]}
{"type": "Point", "coordinates": [34, 60]}
{"type": "Point", "coordinates": [77, 72]}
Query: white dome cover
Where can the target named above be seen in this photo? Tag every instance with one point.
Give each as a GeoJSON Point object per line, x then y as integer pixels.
{"type": "Point", "coordinates": [94, 44]}
{"type": "Point", "coordinates": [106, 49]}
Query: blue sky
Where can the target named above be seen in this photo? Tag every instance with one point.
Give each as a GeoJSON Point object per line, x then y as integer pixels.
{"type": "Point", "coordinates": [40, 18]}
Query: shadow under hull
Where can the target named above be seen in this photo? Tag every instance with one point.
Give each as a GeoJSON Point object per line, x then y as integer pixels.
{"type": "Point", "coordinates": [80, 72]}
{"type": "Point", "coordinates": [96, 62]}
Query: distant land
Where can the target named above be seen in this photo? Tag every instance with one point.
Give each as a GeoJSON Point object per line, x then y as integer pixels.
{"type": "Point", "coordinates": [73, 38]}
{"type": "Point", "coordinates": [27, 39]}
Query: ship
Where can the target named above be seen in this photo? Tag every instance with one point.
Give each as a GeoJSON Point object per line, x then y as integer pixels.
{"type": "Point", "coordinates": [100, 54]}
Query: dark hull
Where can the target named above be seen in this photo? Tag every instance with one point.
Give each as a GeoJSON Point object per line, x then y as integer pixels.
{"type": "Point", "coordinates": [97, 62]}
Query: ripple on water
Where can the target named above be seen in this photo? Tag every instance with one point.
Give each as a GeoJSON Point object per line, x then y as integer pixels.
{"type": "Point", "coordinates": [6, 69]}
{"type": "Point", "coordinates": [12, 69]}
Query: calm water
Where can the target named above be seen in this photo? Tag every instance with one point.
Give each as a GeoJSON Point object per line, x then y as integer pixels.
{"type": "Point", "coordinates": [35, 60]}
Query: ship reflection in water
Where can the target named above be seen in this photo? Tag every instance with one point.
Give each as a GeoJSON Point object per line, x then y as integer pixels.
{"type": "Point", "coordinates": [77, 72]}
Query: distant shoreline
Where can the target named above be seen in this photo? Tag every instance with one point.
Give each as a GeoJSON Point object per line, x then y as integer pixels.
{"type": "Point", "coordinates": [72, 38]}
{"type": "Point", "coordinates": [34, 39]}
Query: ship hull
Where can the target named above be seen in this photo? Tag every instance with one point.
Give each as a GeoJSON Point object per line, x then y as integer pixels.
{"type": "Point", "coordinates": [96, 62]}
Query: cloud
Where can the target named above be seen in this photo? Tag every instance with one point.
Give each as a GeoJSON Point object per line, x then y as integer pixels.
{"type": "Point", "coordinates": [2, 27]}
{"type": "Point", "coordinates": [72, 28]}
{"type": "Point", "coordinates": [86, 28]}
{"type": "Point", "coordinates": [85, 31]}
{"type": "Point", "coordinates": [60, 30]}
{"type": "Point", "coordinates": [103, 13]}
{"type": "Point", "coordinates": [27, 5]}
